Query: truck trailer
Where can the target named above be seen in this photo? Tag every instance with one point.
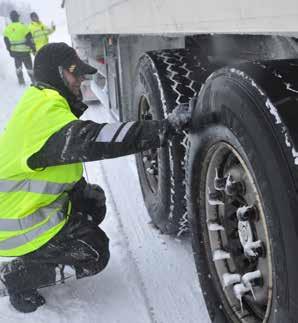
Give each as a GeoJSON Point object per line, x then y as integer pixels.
{"type": "Point", "coordinates": [232, 180]}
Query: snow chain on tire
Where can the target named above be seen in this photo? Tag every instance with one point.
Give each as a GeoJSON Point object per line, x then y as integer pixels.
{"type": "Point", "coordinates": [179, 75]}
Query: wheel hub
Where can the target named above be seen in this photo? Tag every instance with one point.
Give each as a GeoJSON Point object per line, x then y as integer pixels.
{"type": "Point", "coordinates": [238, 237]}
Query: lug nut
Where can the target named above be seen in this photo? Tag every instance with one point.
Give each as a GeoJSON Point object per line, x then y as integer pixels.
{"type": "Point", "coordinates": [239, 291]}
{"type": "Point", "coordinates": [233, 188]}
{"type": "Point", "coordinates": [250, 277]}
{"type": "Point", "coordinates": [220, 254]}
{"type": "Point", "coordinates": [246, 213]}
{"type": "Point", "coordinates": [250, 248]}
{"type": "Point", "coordinates": [219, 182]}
{"type": "Point", "coordinates": [231, 279]}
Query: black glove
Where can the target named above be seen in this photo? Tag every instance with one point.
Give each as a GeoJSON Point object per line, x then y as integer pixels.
{"type": "Point", "coordinates": [179, 119]}
{"type": "Point", "coordinates": [95, 203]}
{"type": "Point", "coordinates": [96, 193]}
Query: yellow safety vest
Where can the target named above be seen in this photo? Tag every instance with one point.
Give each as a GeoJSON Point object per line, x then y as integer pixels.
{"type": "Point", "coordinates": [34, 204]}
{"type": "Point", "coordinates": [40, 34]}
{"type": "Point", "coordinates": [16, 32]}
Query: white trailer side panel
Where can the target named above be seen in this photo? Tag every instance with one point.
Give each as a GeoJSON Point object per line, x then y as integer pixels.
{"type": "Point", "coordinates": [176, 16]}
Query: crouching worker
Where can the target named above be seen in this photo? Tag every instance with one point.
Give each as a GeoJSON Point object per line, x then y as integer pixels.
{"type": "Point", "coordinates": [49, 215]}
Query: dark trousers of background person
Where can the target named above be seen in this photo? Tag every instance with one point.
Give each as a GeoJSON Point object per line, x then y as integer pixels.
{"type": "Point", "coordinates": [20, 59]}
{"type": "Point", "coordinates": [81, 244]}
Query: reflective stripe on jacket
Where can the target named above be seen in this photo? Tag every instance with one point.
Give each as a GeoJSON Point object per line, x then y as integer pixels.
{"type": "Point", "coordinates": [16, 33]}
{"type": "Point", "coordinates": [40, 34]}
{"type": "Point", "coordinates": [34, 204]}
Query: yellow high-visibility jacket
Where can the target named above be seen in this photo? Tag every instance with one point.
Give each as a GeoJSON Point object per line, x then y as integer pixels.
{"type": "Point", "coordinates": [34, 204]}
{"type": "Point", "coordinates": [16, 33]}
{"type": "Point", "coordinates": [40, 33]}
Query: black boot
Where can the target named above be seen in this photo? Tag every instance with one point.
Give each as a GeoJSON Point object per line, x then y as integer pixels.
{"type": "Point", "coordinates": [27, 302]}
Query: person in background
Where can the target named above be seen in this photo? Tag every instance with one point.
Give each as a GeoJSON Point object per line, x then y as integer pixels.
{"type": "Point", "coordinates": [40, 32]}
{"type": "Point", "coordinates": [49, 214]}
{"type": "Point", "coordinates": [19, 43]}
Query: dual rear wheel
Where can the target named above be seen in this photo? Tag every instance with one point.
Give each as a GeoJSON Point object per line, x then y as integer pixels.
{"type": "Point", "coordinates": [241, 201]}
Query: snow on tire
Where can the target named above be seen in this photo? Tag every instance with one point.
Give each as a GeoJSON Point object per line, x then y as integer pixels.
{"type": "Point", "coordinates": [165, 79]}
{"type": "Point", "coordinates": [242, 198]}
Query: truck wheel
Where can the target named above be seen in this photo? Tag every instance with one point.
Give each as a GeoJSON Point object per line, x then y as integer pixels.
{"type": "Point", "coordinates": [165, 79]}
{"type": "Point", "coordinates": [242, 204]}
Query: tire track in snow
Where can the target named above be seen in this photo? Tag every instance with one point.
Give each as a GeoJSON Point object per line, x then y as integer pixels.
{"type": "Point", "coordinates": [140, 281]}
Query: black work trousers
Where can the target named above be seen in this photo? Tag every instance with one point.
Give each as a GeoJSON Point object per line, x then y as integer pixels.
{"type": "Point", "coordinates": [81, 244]}
{"type": "Point", "coordinates": [19, 60]}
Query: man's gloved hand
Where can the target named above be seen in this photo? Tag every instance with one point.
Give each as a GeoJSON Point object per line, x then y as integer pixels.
{"type": "Point", "coordinates": [179, 118]}
{"type": "Point", "coordinates": [95, 192]}
{"type": "Point", "coordinates": [95, 202]}
{"type": "Point", "coordinates": [177, 121]}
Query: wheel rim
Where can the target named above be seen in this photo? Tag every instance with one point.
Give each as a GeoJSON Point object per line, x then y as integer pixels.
{"type": "Point", "coordinates": [149, 157]}
{"type": "Point", "coordinates": [238, 239]}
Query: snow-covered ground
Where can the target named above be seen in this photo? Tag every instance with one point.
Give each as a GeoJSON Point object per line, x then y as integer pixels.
{"type": "Point", "coordinates": [151, 278]}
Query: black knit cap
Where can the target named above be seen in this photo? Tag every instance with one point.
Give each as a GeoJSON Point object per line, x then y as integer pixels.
{"type": "Point", "coordinates": [50, 57]}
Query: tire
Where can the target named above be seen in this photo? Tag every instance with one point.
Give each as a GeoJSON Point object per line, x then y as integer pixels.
{"type": "Point", "coordinates": [235, 135]}
{"type": "Point", "coordinates": [165, 79]}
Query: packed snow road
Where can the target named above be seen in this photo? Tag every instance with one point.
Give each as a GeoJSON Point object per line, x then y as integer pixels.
{"type": "Point", "coordinates": [150, 277]}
